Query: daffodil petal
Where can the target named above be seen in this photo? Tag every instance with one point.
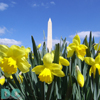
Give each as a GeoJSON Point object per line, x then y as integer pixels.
{"type": "Point", "coordinates": [63, 61]}
{"type": "Point", "coordinates": [70, 53]}
{"type": "Point", "coordinates": [26, 50]}
{"type": "Point", "coordinates": [93, 69]}
{"type": "Point", "coordinates": [77, 38]}
{"type": "Point", "coordinates": [15, 52]}
{"type": "Point", "coordinates": [89, 60]}
{"type": "Point", "coordinates": [60, 65]}
{"type": "Point", "coordinates": [47, 59]}
{"type": "Point", "coordinates": [98, 67]}
{"type": "Point", "coordinates": [3, 50]}
{"type": "Point", "coordinates": [58, 72]}
{"type": "Point", "coordinates": [97, 59]}
{"type": "Point", "coordinates": [23, 65]}
{"type": "Point", "coordinates": [54, 66]}
{"type": "Point", "coordinates": [81, 51]}
{"type": "Point", "coordinates": [90, 71]}
{"type": "Point", "coordinates": [72, 46]}
{"type": "Point", "coordinates": [71, 49]}
{"type": "Point", "coordinates": [38, 69]}
{"type": "Point", "coordinates": [76, 42]}
{"type": "Point", "coordinates": [96, 47]}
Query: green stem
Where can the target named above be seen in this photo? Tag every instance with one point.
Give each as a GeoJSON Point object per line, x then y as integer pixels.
{"type": "Point", "coordinates": [70, 78]}
{"type": "Point", "coordinates": [50, 90]}
{"type": "Point", "coordinates": [55, 88]}
{"type": "Point", "coordinates": [30, 87]}
{"type": "Point", "coordinates": [43, 90]}
{"type": "Point", "coordinates": [69, 89]}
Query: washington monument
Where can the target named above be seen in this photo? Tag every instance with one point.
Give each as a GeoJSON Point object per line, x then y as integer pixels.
{"type": "Point", "coordinates": [49, 35]}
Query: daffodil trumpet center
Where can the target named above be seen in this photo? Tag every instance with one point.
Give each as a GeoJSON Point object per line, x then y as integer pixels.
{"type": "Point", "coordinates": [8, 65]}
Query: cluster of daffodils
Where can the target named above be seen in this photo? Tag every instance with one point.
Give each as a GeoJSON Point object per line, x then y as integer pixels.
{"type": "Point", "coordinates": [80, 50]}
{"type": "Point", "coordinates": [13, 58]}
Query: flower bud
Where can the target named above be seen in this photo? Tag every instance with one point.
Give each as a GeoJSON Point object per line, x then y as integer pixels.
{"type": "Point", "coordinates": [80, 77]}
{"type": "Point", "coordinates": [2, 80]}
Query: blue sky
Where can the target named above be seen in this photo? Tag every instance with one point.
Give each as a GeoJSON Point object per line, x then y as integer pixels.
{"type": "Point", "coordinates": [19, 19]}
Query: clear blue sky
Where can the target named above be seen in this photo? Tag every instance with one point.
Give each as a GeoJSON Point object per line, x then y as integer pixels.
{"type": "Point", "coordinates": [19, 19]}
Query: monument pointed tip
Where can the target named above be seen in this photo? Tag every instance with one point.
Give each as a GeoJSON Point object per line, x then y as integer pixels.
{"type": "Point", "coordinates": [49, 19]}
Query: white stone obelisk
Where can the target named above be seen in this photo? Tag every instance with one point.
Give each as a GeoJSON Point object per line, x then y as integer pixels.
{"type": "Point", "coordinates": [49, 35]}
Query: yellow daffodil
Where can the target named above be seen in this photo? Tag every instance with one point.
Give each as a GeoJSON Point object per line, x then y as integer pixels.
{"type": "Point", "coordinates": [95, 63]}
{"type": "Point", "coordinates": [2, 80]}
{"type": "Point", "coordinates": [39, 46]}
{"type": "Point", "coordinates": [80, 77]}
{"type": "Point", "coordinates": [12, 58]}
{"type": "Point", "coordinates": [48, 70]}
{"type": "Point", "coordinates": [76, 47]}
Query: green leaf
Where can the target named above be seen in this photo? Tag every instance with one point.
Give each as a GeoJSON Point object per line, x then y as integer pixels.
{"type": "Point", "coordinates": [56, 55]}
{"type": "Point", "coordinates": [88, 53]}
{"type": "Point", "coordinates": [28, 87]}
{"type": "Point", "coordinates": [93, 50]}
{"type": "Point", "coordinates": [35, 51]}
{"type": "Point", "coordinates": [96, 85]}
{"type": "Point", "coordinates": [43, 50]}
{"type": "Point", "coordinates": [90, 41]}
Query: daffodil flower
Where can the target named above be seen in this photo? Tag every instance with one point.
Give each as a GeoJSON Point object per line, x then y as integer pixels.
{"type": "Point", "coordinates": [76, 47]}
{"type": "Point", "coordinates": [2, 80]}
{"type": "Point", "coordinates": [48, 70]}
{"type": "Point", "coordinates": [95, 63]}
{"type": "Point", "coordinates": [80, 77]}
{"type": "Point", "coordinates": [12, 58]}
